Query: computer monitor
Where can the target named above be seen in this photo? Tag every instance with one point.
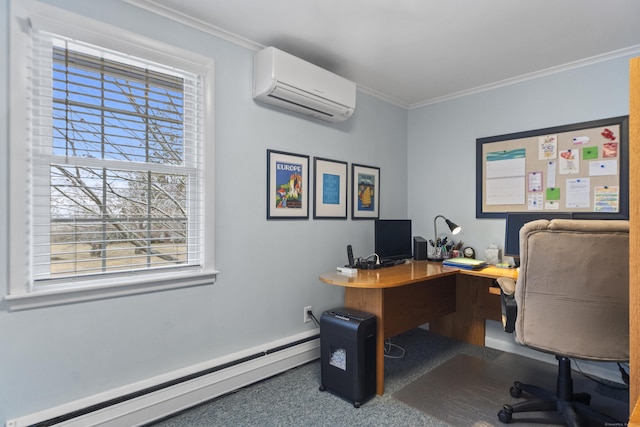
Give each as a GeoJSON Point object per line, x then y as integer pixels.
{"type": "Point", "coordinates": [515, 221]}
{"type": "Point", "coordinates": [393, 239]}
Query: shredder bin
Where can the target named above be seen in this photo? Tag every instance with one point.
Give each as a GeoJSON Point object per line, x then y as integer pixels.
{"type": "Point", "coordinates": [348, 354]}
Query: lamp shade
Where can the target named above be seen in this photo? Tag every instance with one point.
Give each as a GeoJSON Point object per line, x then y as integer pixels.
{"type": "Point", "coordinates": [455, 228]}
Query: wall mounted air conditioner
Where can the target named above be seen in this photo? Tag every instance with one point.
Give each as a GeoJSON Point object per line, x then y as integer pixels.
{"type": "Point", "coordinates": [286, 81]}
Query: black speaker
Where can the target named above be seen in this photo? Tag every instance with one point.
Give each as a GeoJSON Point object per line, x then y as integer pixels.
{"type": "Point", "coordinates": [419, 248]}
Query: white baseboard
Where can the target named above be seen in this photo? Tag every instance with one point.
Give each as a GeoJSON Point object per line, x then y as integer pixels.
{"type": "Point", "coordinates": [166, 401]}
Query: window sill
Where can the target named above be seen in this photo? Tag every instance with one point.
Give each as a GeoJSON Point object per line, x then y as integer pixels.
{"type": "Point", "coordinates": [70, 296]}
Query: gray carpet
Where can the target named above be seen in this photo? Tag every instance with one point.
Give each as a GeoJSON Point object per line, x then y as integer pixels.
{"type": "Point", "coordinates": [468, 391]}
{"type": "Point", "coordinates": [293, 398]}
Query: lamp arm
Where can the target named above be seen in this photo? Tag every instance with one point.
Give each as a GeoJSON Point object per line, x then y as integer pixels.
{"type": "Point", "coordinates": [435, 229]}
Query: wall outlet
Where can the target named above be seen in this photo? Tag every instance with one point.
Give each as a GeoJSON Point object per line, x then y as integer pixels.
{"type": "Point", "coordinates": [306, 317]}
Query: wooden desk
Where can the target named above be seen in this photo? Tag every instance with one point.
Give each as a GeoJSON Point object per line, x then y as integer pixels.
{"type": "Point", "coordinates": [454, 302]}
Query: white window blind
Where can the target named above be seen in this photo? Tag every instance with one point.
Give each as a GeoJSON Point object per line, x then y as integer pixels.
{"type": "Point", "coordinates": [116, 163]}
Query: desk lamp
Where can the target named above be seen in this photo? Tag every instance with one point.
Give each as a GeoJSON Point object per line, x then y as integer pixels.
{"type": "Point", "coordinates": [455, 228]}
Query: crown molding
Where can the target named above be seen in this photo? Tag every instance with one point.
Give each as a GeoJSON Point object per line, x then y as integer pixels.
{"type": "Point", "coordinates": [628, 51]}
{"type": "Point", "coordinates": [190, 21]}
{"type": "Point", "coordinates": [382, 96]}
{"type": "Point", "coordinates": [174, 15]}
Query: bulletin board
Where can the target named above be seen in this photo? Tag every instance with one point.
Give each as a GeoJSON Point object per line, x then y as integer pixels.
{"type": "Point", "coordinates": [581, 168]}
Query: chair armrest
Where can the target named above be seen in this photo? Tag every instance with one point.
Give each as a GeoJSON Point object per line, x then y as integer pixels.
{"type": "Point", "coordinates": [507, 285]}
{"type": "Point", "coordinates": [508, 303]}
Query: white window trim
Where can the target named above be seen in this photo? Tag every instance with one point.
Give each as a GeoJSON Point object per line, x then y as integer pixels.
{"type": "Point", "coordinates": [49, 18]}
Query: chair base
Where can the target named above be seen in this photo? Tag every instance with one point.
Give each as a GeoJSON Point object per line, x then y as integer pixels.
{"type": "Point", "coordinates": [569, 408]}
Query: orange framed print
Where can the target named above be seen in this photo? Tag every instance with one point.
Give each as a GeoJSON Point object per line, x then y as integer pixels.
{"type": "Point", "coordinates": [365, 191]}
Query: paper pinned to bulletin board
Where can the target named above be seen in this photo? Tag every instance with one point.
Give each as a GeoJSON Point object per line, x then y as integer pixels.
{"type": "Point", "coordinates": [574, 168]}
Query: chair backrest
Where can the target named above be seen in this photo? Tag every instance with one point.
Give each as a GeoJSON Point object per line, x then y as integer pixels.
{"type": "Point", "coordinates": [572, 290]}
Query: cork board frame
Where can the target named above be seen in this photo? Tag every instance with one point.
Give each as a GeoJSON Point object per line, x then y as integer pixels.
{"type": "Point", "coordinates": [582, 168]}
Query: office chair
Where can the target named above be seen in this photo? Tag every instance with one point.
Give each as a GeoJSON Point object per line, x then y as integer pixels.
{"type": "Point", "coordinates": [571, 299]}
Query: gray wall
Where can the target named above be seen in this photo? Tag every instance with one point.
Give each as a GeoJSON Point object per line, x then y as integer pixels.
{"type": "Point", "coordinates": [442, 150]}
{"type": "Point", "coordinates": [442, 139]}
{"type": "Point", "coordinates": [269, 269]}
{"type": "Point", "coordinates": [51, 356]}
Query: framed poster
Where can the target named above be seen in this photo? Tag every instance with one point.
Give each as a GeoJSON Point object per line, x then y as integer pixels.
{"type": "Point", "coordinates": [365, 191]}
{"type": "Point", "coordinates": [582, 168]}
{"type": "Point", "coordinates": [330, 189]}
{"type": "Point", "coordinates": [287, 185]}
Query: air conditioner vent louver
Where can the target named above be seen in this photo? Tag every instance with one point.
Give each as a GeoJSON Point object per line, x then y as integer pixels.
{"type": "Point", "coordinates": [292, 83]}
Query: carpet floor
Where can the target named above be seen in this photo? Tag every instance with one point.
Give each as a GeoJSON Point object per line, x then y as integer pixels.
{"type": "Point", "coordinates": [468, 391]}
{"type": "Point", "coordinates": [428, 382]}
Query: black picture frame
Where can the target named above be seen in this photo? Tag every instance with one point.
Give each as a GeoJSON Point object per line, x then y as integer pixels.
{"type": "Point", "coordinates": [330, 188]}
{"type": "Point", "coordinates": [287, 185]}
{"type": "Point", "coordinates": [365, 192]}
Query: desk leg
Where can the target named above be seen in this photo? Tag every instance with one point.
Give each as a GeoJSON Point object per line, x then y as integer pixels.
{"type": "Point", "coordinates": [474, 304]}
{"type": "Point", "coordinates": [371, 301]}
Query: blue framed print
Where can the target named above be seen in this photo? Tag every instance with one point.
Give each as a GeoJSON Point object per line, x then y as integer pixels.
{"type": "Point", "coordinates": [330, 189]}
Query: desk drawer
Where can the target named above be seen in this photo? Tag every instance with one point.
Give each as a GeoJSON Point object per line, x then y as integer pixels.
{"type": "Point", "coordinates": [407, 307]}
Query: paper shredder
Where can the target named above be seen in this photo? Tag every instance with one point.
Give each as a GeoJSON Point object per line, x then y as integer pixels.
{"type": "Point", "coordinates": [348, 354]}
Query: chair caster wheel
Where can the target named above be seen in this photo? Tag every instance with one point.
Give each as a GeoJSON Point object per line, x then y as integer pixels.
{"type": "Point", "coordinates": [516, 389]}
{"type": "Point", "coordinates": [505, 414]}
{"type": "Point", "coordinates": [322, 388]}
{"type": "Point", "coordinates": [356, 404]}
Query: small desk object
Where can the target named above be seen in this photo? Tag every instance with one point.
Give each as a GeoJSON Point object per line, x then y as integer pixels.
{"type": "Point", "coordinates": [455, 302]}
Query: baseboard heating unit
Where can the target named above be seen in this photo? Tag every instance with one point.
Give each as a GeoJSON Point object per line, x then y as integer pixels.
{"type": "Point", "coordinates": [159, 397]}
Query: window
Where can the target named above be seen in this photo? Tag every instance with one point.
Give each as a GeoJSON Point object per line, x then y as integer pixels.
{"type": "Point", "coordinates": [116, 168]}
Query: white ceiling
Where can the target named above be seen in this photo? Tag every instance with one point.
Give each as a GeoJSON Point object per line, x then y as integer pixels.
{"type": "Point", "coordinates": [414, 52]}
